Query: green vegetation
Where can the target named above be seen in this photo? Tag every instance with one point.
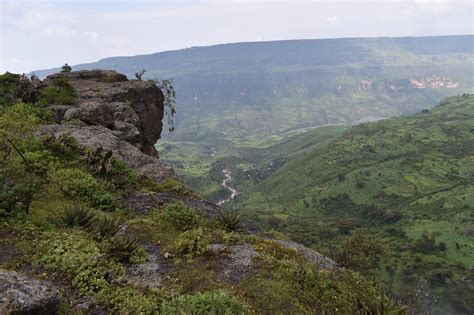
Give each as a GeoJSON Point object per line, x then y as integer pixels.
{"type": "Point", "coordinates": [60, 92]}
{"type": "Point", "coordinates": [64, 216]}
{"type": "Point", "coordinates": [180, 216]}
{"type": "Point", "coordinates": [407, 182]}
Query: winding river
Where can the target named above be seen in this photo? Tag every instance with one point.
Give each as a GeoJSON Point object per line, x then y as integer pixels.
{"type": "Point", "coordinates": [225, 183]}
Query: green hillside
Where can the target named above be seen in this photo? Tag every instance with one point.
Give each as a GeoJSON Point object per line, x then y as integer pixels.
{"type": "Point", "coordinates": [407, 180]}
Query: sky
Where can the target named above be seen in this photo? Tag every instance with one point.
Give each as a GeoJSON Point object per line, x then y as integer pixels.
{"type": "Point", "coordinates": [43, 34]}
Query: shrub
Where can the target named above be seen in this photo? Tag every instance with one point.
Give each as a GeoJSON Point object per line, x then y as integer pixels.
{"type": "Point", "coordinates": [360, 184]}
{"type": "Point", "coordinates": [8, 198]}
{"type": "Point", "coordinates": [77, 215]}
{"type": "Point", "coordinates": [229, 220]}
{"type": "Point", "coordinates": [106, 226]}
{"type": "Point", "coordinates": [361, 252]}
{"type": "Point", "coordinates": [128, 300]}
{"type": "Point", "coordinates": [180, 216]}
{"type": "Point", "coordinates": [121, 176]}
{"type": "Point", "coordinates": [172, 185]}
{"type": "Point", "coordinates": [59, 92]}
{"type": "Point", "coordinates": [426, 243]}
{"type": "Point", "coordinates": [193, 243]}
{"type": "Point", "coordinates": [218, 302]}
{"type": "Point", "coordinates": [104, 201]}
{"type": "Point", "coordinates": [74, 182]}
{"type": "Point", "coordinates": [123, 247]}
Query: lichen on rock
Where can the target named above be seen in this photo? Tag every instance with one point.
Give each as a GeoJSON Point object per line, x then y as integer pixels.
{"type": "Point", "coordinates": [20, 294]}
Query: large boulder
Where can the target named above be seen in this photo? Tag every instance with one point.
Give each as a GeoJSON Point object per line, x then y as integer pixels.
{"type": "Point", "coordinates": [132, 108]}
{"type": "Point", "coordinates": [237, 263]}
{"type": "Point", "coordinates": [20, 294]}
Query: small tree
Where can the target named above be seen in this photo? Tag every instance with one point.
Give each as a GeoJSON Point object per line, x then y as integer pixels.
{"type": "Point", "coordinates": [361, 252]}
{"type": "Point", "coordinates": [140, 74]}
{"type": "Point", "coordinates": [23, 163]}
{"type": "Point", "coordinates": [66, 68]}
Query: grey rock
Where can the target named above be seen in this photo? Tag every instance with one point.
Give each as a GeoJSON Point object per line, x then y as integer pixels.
{"type": "Point", "coordinates": [59, 111]}
{"type": "Point", "coordinates": [237, 263]}
{"type": "Point", "coordinates": [71, 113]}
{"type": "Point", "coordinates": [20, 294]}
{"type": "Point", "coordinates": [93, 75]}
{"type": "Point", "coordinates": [105, 97]}
{"type": "Point", "coordinates": [124, 112]}
{"type": "Point", "coordinates": [126, 132]}
{"type": "Point", "coordinates": [95, 112]}
{"type": "Point", "coordinates": [100, 137]}
{"type": "Point", "coordinates": [313, 257]}
{"type": "Point", "coordinates": [143, 202]}
{"type": "Point", "coordinates": [216, 248]}
{"type": "Point", "coordinates": [149, 274]}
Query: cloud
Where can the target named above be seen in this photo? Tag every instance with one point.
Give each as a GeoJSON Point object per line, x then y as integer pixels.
{"type": "Point", "coordinates": [92, 35]}
{"type": "Point", "coordinates": [331, 20]}
{"type": "Point", "coordinates": [46, 34]}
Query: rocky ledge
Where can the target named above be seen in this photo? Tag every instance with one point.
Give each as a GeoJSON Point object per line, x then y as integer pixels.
{"type": "Point", "coordinates": [131, 109]}
{"type": "Point", "coordinates": [113, 114]}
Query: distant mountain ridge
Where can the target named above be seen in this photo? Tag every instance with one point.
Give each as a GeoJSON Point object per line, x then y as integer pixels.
{"type": "Point", "coordinates": [242, 89]}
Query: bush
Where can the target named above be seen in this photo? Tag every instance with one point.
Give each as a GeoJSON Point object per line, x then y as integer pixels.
{"type": "Point", "coordinates": [77, 215]}
{"type": "Point", "coordinates": [173, 185]}
{"type": "Point", "coordinates": [218, 302]}
{"type": "Point", "coordinates": [8, 198]}
{"type": "Point", "coordinates": [193, 243]}
{"type": "Point", "coordinates": [104, 201]}
{"type": "Point", "coordinates": [128, 300]}
{"type": "Point", "coordinates": [121, 176]}
{"type": "Point", "coordinates": [124, 247]}
{"type": "Point", "coordinates": [361, 252]}
{"type": "Point", "coordinates": [106, 226]}
{"type": "Point", "coordinates": [229, 220]}
{"type": "Point", "coordinates": [180, 216]}
{"type": "Point", "coordinates": [74, 182]}
{"type": "Point", "coordinates": [59, 92]}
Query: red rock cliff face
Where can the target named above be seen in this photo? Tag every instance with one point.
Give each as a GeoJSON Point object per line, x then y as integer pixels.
{"type": "Point", "coordinates": [132, 109]}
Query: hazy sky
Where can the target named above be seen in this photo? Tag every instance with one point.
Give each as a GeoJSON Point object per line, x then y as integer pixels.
{"type": "Point", "coordinates": [44, 34]}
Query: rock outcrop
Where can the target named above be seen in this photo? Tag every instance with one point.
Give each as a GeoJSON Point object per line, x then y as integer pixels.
{"type": "Point", "coordinates": [20, 294]}
{"type": "Point", "coordinates": [132, 109]}
{"type": "Point", "coordinates": [120, 115]}
{"type": "Point", "coordinates": [101, 137]}
{"type": "Point", "coordinates": [312, 256]}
